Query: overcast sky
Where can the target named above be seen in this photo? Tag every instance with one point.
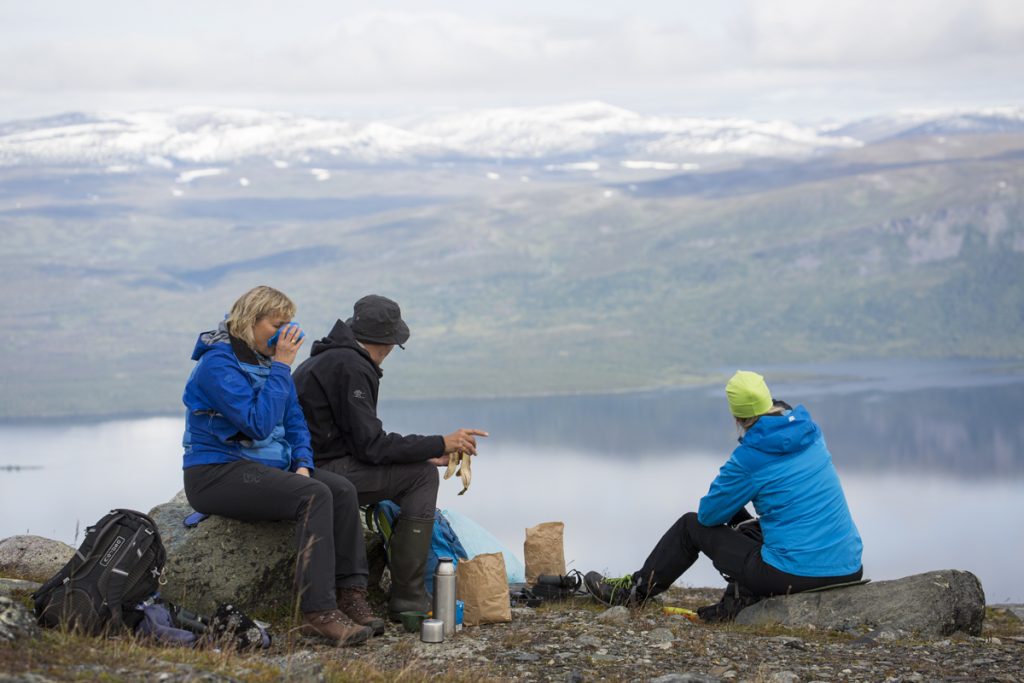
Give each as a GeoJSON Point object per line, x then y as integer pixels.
{"type": "Point", "coordinates": [797, 59]}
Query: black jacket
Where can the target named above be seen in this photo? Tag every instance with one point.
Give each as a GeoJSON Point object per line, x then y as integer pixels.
{"type": "Point", "coordinates": [338, 386]}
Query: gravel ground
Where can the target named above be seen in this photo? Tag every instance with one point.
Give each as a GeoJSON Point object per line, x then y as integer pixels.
{"type": "Point", "coordinates": [575, 642]}
{"type": "Point", "coordinates": [580, 641]}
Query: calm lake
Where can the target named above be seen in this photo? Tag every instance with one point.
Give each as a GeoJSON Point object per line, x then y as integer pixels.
{"type": "Point", "coordinates": [931, 455]}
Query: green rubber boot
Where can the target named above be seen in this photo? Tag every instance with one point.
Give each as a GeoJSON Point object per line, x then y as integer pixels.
{"type": "Point", "coordinates": [410, 545]}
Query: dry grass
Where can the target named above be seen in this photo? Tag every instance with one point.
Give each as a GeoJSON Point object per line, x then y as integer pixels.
{"type": "Point", "coordinates": [71, 656]}
{"type": "Point", "coordinates": [769, 630]}
{"type": "Point", "coordinates": [1001, 623]}
{"type": "Point", "coordinates": [64, 656]}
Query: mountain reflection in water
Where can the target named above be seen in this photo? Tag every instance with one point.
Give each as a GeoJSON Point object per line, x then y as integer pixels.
{"type": "Point", "coordinates": [931, 457]}
{"type": "Point", "coordinates": [913, 418]}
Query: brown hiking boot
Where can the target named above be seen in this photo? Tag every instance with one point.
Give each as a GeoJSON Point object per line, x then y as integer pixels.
{"type": "Point", "coordinates": [352, 601]}
{"type": "Point", "coordinates": [334, 626]}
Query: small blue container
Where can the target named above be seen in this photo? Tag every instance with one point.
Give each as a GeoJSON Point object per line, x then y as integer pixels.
{"type": "Point", "coordinates": [459, 607]}
{"type": "Point", "coordinates": [273, 340]}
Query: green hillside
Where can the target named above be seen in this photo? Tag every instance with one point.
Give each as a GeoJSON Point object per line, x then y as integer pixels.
{"type": "Point", "coordinates": [908, 248]}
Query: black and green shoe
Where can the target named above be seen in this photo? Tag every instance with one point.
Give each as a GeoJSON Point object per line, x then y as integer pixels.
{"type": "Point", "coordinates": [618, 591]}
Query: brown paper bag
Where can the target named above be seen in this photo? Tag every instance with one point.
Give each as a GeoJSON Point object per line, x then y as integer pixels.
{"type": "Point", "coordinates": [481, 583]}
{"type": "Point", "coordinates": [543, 551]}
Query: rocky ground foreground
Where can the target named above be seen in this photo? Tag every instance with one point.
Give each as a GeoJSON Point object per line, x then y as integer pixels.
{"type": "Point", "coordinates": [570, 641]}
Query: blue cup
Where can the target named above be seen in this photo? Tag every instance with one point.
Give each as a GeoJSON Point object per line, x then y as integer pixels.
{"type": "Point", "coordinates": [283, 328]}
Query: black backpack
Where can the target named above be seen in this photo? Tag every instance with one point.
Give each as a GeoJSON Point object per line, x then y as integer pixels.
{"type": "Point", "coordinates": [117, 566]}
{"type": "Point", "coordinates": [554, 587]}
{"type": "Point", "coordinates": [548, 588]}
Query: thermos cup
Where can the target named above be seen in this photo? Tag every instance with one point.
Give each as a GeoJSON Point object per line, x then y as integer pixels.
{"type": "Point", "coordinates": [432, 631]}
{"type": "Point", "coordinates": [444, 594]}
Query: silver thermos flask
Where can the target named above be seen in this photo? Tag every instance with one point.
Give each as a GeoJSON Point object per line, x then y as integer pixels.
{"type": "Point", "coordinates": [444, 594]}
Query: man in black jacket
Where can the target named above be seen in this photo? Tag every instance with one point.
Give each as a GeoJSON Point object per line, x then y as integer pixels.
{"type": "Point", "coordinates": [338, 386]}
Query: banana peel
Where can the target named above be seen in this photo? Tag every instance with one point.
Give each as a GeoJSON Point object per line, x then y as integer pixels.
{"type": "Point", "coordinates": [453, 462]}
{"type": "Point", "coordinates": [465, 472]}
{"type": "Point", "coordinates": [460, 464]}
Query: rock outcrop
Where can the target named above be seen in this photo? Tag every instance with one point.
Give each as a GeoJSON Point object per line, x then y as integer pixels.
{"type": "Point", "coordinates": [9, 587]}
{"type": "Point", "coordinates": [33, 557]}
{"type": "Point", "coordinates": [937, 603]}
{"type": "Point", "coordinates": [15, 621]}
{"type": "Point", "coordinates": [248, 564]}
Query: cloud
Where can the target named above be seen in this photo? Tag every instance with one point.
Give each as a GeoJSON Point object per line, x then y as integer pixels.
{"type": "Point", "coordinates": [643, 53]}
{"type": "Point", "coordinates": [370, 51]}
{"type": "Point", "coordinates": [876, 34]}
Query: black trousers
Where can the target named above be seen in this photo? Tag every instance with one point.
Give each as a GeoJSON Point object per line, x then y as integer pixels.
{"type": "Point", "coordinates": [736, 555]}
{"type": "Point", "coordinates": [329, 532]}
{"type": "Point", "coordinates": [413, 486]}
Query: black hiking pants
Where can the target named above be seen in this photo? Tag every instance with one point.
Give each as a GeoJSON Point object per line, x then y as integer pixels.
{"type": "Point", "coordinates": [733, 553]}
{"type": "Point", "coordinates": [412, 486]}
{"type": "Point", "coordinates": [329, 531]}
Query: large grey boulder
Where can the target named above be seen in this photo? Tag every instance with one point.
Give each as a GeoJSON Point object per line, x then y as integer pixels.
{"type": "Point", "coordinates": [33, 557]}
{"type": "Point", "coordinates": [933, 604]}
{"type": "Point", "coordinates": [248, 564]}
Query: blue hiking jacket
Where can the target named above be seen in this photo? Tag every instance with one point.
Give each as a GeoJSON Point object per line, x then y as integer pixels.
{"type": "Point", "coordinates": [784, 467]}
{"type": "Point", "coordinates": [242, 406]}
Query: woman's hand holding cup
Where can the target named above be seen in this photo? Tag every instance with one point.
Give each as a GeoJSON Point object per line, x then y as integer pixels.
{"type": "Point", "coordinates": [289, 339]}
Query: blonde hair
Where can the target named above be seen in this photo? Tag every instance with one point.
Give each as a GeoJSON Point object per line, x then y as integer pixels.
{"type": "Point", "coordinates": [743, 424]}
{"type": "Point", "coordinates": [258, 302]}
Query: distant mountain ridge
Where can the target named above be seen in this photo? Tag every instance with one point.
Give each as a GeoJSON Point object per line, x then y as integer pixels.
{"type": "Point", "coordinates": [913, 123]}
{"type": "Point", "coordinates": [205, 135]}
{"type": "Point", "coordinates": [589, 129]}
{"type": "Point", "coordinates": [574, 248]}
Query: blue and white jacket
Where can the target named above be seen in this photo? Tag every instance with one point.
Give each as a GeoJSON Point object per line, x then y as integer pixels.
{"type": "Point", "coordinates": [784, 467]}
{"type": "Point", "coordinates": [241, 405]}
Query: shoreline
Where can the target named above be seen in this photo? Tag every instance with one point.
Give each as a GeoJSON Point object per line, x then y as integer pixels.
{"type": "Point", "coordinates": [841, 376]}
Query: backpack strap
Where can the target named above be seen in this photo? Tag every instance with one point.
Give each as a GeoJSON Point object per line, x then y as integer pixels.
{"type": "Point", "coordinates": [142, 540]}
{"type": "Point", "coordinates": [368, 518]}
{"type": "Point", "coordinates": [844, 584]}
{"type": "Point", "coordinates": [377, 521]}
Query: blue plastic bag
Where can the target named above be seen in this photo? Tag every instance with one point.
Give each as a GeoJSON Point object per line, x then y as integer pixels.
{"type": "Point", "coordinates": [477, 540]}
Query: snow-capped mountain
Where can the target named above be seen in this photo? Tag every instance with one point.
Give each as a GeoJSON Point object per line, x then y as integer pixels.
{"type": "Point", "coordinates": [578, 131]}
{"type": "Point", "coordinates": [912, 123]}
{"type": "Point", "coordinates": [595, 128]}
{"type": "Point", "coordinates": [192, 135]}
{"type": "Point", "coordinates": [567, 133]}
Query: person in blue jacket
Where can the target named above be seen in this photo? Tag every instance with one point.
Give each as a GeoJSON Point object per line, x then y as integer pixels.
{"type": "Point", "coordinates": [247, 456]}
{"type": "Point", "coordinates": [807, 536]}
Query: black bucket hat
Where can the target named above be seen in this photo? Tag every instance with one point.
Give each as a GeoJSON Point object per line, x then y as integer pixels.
{"type": "Point", "coordinates": [378, 320]}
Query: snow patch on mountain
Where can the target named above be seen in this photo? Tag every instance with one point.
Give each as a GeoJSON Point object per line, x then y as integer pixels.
{"type": "Point", "coordinates": [586, 166]}
{"type": "Point", "coordinates": [186, 177]}
{"type": "Point", "coordinates": [638, 165]}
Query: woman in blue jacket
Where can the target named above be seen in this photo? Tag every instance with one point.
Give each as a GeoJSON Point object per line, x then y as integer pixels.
{"type": "Point", "coordinates": [781, 465]}
{"type": "Point", "coordinates": [247, 456]}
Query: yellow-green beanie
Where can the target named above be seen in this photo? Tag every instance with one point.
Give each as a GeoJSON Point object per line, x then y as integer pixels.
{"type": "Point", "coordinates": [748, 394]}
